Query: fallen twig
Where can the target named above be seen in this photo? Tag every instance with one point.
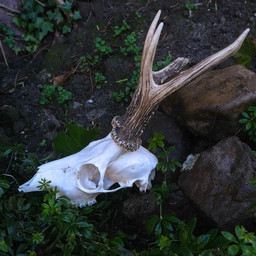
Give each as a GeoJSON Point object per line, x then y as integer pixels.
{"type": "Point", "coordinates": [8, 8]}
{"type": "Point", "coordinates": [5, 60]}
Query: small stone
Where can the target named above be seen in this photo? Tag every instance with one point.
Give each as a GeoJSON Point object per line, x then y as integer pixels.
{"type": "Point", "coordinates": [76, 104]}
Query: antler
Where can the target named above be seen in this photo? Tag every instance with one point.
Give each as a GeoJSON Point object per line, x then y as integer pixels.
{"type": "Point", "coordinates": [150, 91]}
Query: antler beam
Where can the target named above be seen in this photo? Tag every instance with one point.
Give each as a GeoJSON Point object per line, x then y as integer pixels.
{"type": "Point", "coordinates": [151, 90]}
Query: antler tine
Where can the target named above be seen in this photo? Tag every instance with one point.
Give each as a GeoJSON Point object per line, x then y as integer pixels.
{"type": "Point", "coordinates": [195, 71]}
{"type": "Point", "coordinates": [150, 35]}
{"type": "Point", "coordinates": [152, 51]}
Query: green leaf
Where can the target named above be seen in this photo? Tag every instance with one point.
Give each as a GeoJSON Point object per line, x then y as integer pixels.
{"type": "Point", "coordinates": [83, 224]}
{"type": "Point", "coordinates": [213, 233]}
{"type": "Point", "coordinates": [245, 115]}
{"type": "Point", "coordinates": [3, 246]}
{"type": "Point", "coordinates": [240, 231]}
{"type": "Point", "coordinates": [66, 29]}
{"type": "Point", "coordinates": [158, 228]}
{"type": "Point", "coordinates": [16, 21]}
{"type": "Point", "coordinates": [165, 189]}
{"type": "Point", "coordinates": [78, 139]}
{"type": "Point", "coordinates": [233, 250]}
{"type": "Point", "coordinates": [167, 225]}
{"type": "Point", "coordinates": [151, 222]}
{"type": "Point", "coordinates": [164, 242]}
{"type": "Point", "coordinates": [248, 126]}
{"type": "Point", "coordinates": [4, 184]}
{"type": "Point", "coordinates": [160, 144]}
{"type": "Point", "coordinates": [7, 152]}
{"type": "Point", "coordinates": [252, 108]}
{"type": "Point", "coordinates": [191, 225]}
{"type": "Point", "coordinates": [45, 28]}
{"type": "Point", "coordinates": [243, 121]}
{"type": "Point", "coordinates": [204, 239]}
{"type": "Point", "coordinates": [253, 181]}
{"type": "Point", "coordinates": [172, 218]}
{"type": "Point", "coordinates": [77, 15]}
{"type": "Point", "coordinates": [229, 236]}
{"type": "Point", "coordinates": [117, 241]}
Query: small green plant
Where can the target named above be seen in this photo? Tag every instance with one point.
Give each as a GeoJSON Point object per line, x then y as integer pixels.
{"type": "Point", "coordinates": [43, 143]}
{"type": "Point", "coordinates": [40, 18]}
{"type": "Point", "coordinates": [63, 95]}
{"type": "Point", "coordinates": [161, 224]}
{"type": "Point", "coordinates": [130, 45]}
{"type": "Point", "coordinates": [17, 156]}
{"type": "Point", "coordinates": [249, 122]}
{"type": "Point", "coordinates": [161, 64]}
{"type": "Point", "coordinates": [89, 61]}
{"type": "Point", "coordinates": [119, 30]}
{"type": "Point", "coordinates": [244, 243]}
{"type": "Point", "coordinates": [99, 79]}
{"type": "Point", "coordinates": [9, 38]}
{"type": "Point", "coordinates": [157, 141]}
{"type": "Point", "coordinates": [191, 6]}
{"type": "Point", "coordinates": [138, 15]}
{"type": "Point", "coordinates": [47, 94]}
{"type": "Point", "coordinates": [50, 93]}
{"type": "Point", "coordinates": [4, 184]}
{"type": "Point", "coordinates": [102, 47]}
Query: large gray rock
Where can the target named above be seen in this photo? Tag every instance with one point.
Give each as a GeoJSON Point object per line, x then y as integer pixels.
{"type": "Point", "coordinates": [211, 105]}
{"type": "Point", "coordinates": [218, 183]}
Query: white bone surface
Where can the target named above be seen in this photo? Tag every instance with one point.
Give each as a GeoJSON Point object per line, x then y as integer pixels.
{"type": "Point", "coordinates": [84, 175]}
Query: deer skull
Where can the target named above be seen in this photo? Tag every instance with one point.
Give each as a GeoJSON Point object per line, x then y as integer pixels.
{"type": "Point", "coordinates": [93, 170]}
{"type": "Point", "coordinates": [119, 158]}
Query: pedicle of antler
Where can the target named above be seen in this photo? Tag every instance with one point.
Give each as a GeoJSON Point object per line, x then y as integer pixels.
{"type": "Point", "coordinates": [151, 90]}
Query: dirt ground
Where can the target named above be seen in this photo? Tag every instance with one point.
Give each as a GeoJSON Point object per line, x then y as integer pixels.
{"type": "Point", "coordinates": [194, 35]}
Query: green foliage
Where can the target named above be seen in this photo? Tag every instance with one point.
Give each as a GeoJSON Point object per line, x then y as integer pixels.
{"type": "Point", "coordinates": [50, 93]}
{"type": "Point", "coordinates": [9, 38]}
{"type": "Point", "coordinates": [102, 47]}
{"type": "Point", "coordinates": [157, 141]}
{"type": "Point", "coordinates": [249, 122]}
{"type": "Point", "coordinates": [63, 95]}
{"type": "Point", "coordinates": [89, 61]}
{"type": "Point", "coordinates": [43, 143]}
{"type": "Point", "coordinates": [191, 6]}
{"type": "Point", "coordinates": [16, 157]}
{"type": "Point", "coordinates": [119, 30]}
{"type": "Point", "coordinates": [130, 45]}
{"type": "Point", "coordinates": [52, 227]}
{"type": "Point", "coordinates": [78, 138]}
{"type": "Point", "coordinates": [99, 79]}
{"type": "Point", "coordinates": [4, 184]}
{"type": "Point", "coordinates": [244, 243]}
{"type": "Point", "coordinates": [39, 18]}
{"type": "Point", "coordinates": [163, 63]}
{"type": "Point", "coordinates": [246, 53]}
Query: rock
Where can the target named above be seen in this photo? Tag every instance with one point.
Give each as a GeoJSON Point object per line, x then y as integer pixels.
{"type": "Point", "coordinates": [218, 183]}
{"type": "Point", "coordinates": [211, 105]}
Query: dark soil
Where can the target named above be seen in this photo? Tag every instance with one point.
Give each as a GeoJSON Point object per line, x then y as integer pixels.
{"type": "Point", "coordinates": [213, 26]}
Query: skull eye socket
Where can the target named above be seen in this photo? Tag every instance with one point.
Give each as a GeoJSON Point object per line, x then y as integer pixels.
{"type": "Point", "coordinates": [89, 176]}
